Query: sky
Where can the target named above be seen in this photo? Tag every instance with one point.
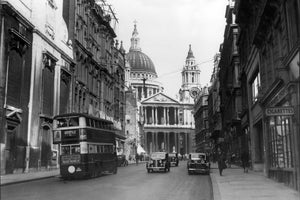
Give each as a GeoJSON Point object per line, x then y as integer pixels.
{"type": "Point", "coordinates": [167, 27]}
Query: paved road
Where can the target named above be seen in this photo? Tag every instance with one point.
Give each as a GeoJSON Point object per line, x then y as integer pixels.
{"type": "Point", "coordinates": [130, 183]}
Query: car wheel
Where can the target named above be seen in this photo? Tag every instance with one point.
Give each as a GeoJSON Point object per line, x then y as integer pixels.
{"type": "Point", "coordinates": [148, 170]}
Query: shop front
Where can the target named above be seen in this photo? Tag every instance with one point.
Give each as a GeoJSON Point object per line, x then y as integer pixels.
{"type": "Point", "coordinates": [282, 144]}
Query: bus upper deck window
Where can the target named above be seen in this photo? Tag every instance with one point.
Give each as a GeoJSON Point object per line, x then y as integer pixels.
{"type": "Point", "coordinates": [62, 123]}
{"type": "Point", "coordinates": [74, 121]}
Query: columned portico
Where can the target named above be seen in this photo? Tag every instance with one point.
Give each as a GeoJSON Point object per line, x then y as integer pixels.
{"type": "Point", "coordinates": [162, 129]}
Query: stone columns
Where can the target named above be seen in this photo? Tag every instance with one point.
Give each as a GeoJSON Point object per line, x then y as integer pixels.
{"type": "Point", "coordinates": [156, 141]}
{"type": "Point", "coordinates": [168, 142]}
{"type": "Point", "coordinates": [165, 142]}
{"type": "Point", "coordinates": [145, 113]}
{"type": "Point", "coordinates": [167, 116]}
{"type": "Point", "coordinates": [186, 142]}
{"type": "Point", "coordinates": [152, 143]}
{"type": "Point", "coordinates": [146, 145]}
{"type": "Point", "coordinates": [176, 142]}
{"type": "Point", "coordinates": [152, 110]}
{"type": "Point", "coordinates": [175, 116]}
{"type": "Point", "coordinates": [156, 121]}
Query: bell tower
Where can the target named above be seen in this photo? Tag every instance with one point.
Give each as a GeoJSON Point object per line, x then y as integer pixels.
{"type": "Point", "coordinates": [190, 79]}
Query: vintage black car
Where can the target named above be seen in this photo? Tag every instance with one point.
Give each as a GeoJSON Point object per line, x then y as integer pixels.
{"type": "Point", "coordinates": [198, 163]}
{"type": "Point", "coordinates": [159, 161]}
{"type": "Point", "coordinates": [173, 158]}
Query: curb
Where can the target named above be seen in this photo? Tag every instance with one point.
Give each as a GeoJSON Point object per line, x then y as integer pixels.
{"type": "Point", "coordinates": [215, 187]}
{"type": "Point", "coordinates": [46, 177]}
{"type": "Point", "coordinates": [27, 180]}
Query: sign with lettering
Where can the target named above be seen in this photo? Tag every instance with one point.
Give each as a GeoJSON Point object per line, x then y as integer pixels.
{"type": "Point", "coordinates": [70, 134]}
{"type": "Point", "coordinates": [275, 111]}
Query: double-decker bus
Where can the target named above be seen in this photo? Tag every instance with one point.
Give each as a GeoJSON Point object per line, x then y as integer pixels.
{"type": "Point", "coordinates": [87, 145]}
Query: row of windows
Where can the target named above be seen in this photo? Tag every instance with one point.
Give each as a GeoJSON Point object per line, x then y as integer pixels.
{"type": "Point", "coordinates": [141, 75]}
{"type": "Point", "coordinates": [74, 121]}
{"type": "Point", "coordinates": [91, 149]}
{"type": "Point", "coordinates": [96, 148]}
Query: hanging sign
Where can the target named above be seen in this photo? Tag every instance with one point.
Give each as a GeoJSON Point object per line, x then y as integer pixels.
{"type": "Point", "coordinates": [275, 111]}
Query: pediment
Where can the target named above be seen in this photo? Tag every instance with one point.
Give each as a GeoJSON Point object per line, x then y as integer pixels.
{"type": "Point", "coordinates": [160, 98]}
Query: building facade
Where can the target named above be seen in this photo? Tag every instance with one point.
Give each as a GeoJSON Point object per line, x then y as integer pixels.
{"type": "Point", "coordinates": [70, 62]}
{"type": "Point", "coordinates": [259, 87]}
{"type": "Point", "coordinates": [31, 148]}
{"type": "Point", "coordinates": [230, 87]}
{"type": "Point", "coordinates": [269, 59]}
{"type": "Point", "coordinates": [169, 124]}
{"type": "Point", "coordinates": [162, 123]}
{"type": "Point", "coordinates": [202, 129]}
{"type": "Point", "coordinates": [141, 78]}
{"type": "Point", "coordinates": [214, 112]}
{"type": "Point", "coordinates": [15, 70]}
{"type": "Point", "coordinates": [99, 76]}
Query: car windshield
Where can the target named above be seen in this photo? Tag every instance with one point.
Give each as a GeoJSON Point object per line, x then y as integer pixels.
{"type": "Point", "coordinates": [158, 156]}
{"type": "Point", "coordinates": [172, 155]}
{"type": "Point", "coordinates": [198, 156]}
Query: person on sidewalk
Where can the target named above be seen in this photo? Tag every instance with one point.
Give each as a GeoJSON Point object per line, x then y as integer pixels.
{"type": "Point", "coordinates": [245, 161]}
{"type": "Point", "coordinates": [136, 158]}
{"type": "Point", "coordinates": [221, 162]}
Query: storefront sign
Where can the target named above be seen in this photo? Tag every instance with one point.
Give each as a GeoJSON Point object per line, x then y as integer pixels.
{"type": "Point", "coordinates": [279, 111]}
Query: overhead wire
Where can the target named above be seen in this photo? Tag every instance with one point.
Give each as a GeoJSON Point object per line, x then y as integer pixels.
{"type": "Point", "coordinates": [173, 72]}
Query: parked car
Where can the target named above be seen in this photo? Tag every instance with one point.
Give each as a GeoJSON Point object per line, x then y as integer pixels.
{"type": "Point", "coordinates": [173, 158]}
{"type": "Point", "coordinates": [122, 161]}
{"type": "Point", "coordinates": [198, 163]}
{"type": "Point", "coordinates": [159, 161]}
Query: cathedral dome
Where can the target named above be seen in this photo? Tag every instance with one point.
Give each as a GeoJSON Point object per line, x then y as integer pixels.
{"type": "Point", "coordinates": [140, 62]}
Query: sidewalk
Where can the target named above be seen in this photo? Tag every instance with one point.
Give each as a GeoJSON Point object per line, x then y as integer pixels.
{"type": "Point", "coordinates": [8, 179]}
{"type": "Point", "coordinates": [237, 185]}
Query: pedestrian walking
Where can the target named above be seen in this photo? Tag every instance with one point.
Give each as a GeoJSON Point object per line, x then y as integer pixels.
{"type": "Point", "coordinates": [221, 162]}
{"type": "Point", "coordinates": [136, 159]}
{"type": "Point", "coordinates": [245, 161]}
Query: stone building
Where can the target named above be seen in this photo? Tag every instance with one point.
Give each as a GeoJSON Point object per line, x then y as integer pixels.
{"type": "Point", "coordinates": [269, 58]}
{"type": "Point", "coordinates": [214, 102]}
{"type": "Point", "coordinates": [230, 87]}
{"type": "Point", "coordinates": [142, 70]}
{"type": "Point", "coordinates": [142, 83]}
{"type": "Point", "coordinates": [43, 37]}
{"type": "Point", "coordinates": [34, 92]}
{"type": "Point", "coordinates": [162, 123]}
{"type": "Point", "coordinates": [15, 69]}
{"type": "Point", "coordinates": [98, 84]}
{"type": "Point", "coordinates": [169, 124]}
{"type": "Point", "coordinates": [202, 129]}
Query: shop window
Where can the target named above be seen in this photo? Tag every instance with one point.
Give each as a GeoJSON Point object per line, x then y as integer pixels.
{"type": "Point", "coordinates": [280, 142]}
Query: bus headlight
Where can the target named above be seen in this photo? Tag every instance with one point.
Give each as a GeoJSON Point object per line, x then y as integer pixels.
{"type": "Point", "coordinates": [71, 169]}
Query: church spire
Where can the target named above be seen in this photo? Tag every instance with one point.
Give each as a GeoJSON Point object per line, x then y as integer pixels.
{"type": "Point", "coordinates": [190, 53]}
{"type": "Point", "coordinates": [135, 40]}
